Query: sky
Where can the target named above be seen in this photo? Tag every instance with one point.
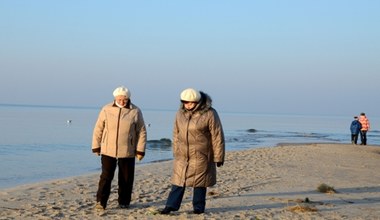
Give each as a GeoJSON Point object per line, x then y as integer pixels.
{"type": "Point", "coordinates": [268, 57]}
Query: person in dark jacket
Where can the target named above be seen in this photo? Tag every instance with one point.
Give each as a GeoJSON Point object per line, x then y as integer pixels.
{"type": "Point", "coordinates": [355, 129]}
{"type": "Point", "coordinates": [119, 136]}
{"type": "Point", "coordinates": [198, 148]}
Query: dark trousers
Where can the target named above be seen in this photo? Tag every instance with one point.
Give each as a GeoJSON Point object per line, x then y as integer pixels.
{"type": "Point", "coordinates": [363, 137]}
{"type": "Point", "coordinates": [176, 196]}
{"type": "Point", "coordinates": [125, 179]}
{"type": "Point", "coordinates": [354, 138]}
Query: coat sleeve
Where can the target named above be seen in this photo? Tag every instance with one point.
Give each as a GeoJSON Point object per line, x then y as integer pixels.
{"type": "Point", "coordinates": [217, 137]}
{"type": "Point", "coordinates": [98, 132]}
{"type": "Point", "coordinates": [141, 133]}
{"type": "Point", "coordinates": [368, 125]}
{"type": "Point", "coordinates": [175, 135]}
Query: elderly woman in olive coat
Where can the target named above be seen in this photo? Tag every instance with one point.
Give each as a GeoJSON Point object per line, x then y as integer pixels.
{"type": "Point", "coordinates": [198, 147]}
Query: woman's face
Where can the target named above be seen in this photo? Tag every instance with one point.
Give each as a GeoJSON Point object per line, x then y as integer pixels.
{"type": "Point", "coordinates": [189, 105]}
{"type": "Point", "coordinates": [121, 100]}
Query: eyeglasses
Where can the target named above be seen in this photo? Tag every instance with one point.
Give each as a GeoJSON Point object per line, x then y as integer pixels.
{"type": "Point", "coordinates": [121, 99]}
{"type": "Point", "coordinates": [187, 102]}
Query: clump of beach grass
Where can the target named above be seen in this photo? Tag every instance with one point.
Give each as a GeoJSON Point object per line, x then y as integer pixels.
{"type": "Point", "coordinates": [302, 208]}
{"type": "Point", "coordinates": [213, 193]}
{"type": "Point", "coordinates": [324, 188]}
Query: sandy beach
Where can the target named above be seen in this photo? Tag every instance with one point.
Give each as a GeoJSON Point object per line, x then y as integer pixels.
{"type": "Point", "coordinates": [266, 183]}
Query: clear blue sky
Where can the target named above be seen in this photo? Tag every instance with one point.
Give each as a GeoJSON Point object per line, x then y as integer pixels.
{"type": "Point", "coordinates": [299, 57]}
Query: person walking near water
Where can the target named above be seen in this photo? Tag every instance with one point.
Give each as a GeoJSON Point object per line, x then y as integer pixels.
{"type": "Point", "coordinates": [119, 136]}
{"type": "Point", "coordinates": [198, 148]}
{"type": "Point", "coordinates": [365, 128]}
{"type": "Point", "coordinates": [355, 129]}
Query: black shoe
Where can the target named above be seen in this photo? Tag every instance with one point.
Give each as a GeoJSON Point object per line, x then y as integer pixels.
{"type": "Point", "coordinates": [197, 211]}
{"type": "Point", "coordinates": [123, 206]}
{"type": "Point", "coordinates": [166, 211]}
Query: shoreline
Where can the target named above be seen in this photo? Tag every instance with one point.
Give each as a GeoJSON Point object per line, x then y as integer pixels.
{"type": "Point", "coordinates": [97, 170]}
{"type": "Point", "coordinates": [263, 183]}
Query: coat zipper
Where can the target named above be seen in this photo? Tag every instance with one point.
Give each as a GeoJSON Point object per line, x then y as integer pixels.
{"type": "Point", "coordinates": [117, 133]}
{"type": "Point", "coordinates": [188, 147]}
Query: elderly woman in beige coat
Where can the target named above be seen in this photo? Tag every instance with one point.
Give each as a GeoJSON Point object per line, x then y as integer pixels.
{"type": "Point", "coordinates": [119, 136]}
{"type": "Point", "coordinates": [198, 147]}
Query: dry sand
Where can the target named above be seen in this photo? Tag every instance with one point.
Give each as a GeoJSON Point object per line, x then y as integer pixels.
{"type": "Point", "coordinates": [267, 183]}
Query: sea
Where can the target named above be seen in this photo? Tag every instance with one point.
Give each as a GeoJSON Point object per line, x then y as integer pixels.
{"type": "Point", "coordinates": [41, 143]}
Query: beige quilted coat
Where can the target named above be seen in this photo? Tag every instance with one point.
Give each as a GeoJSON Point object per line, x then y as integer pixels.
{"type": "Point", "coordinates": [119, 132]}
{"type": "Point", "coordinates": [198, 143]}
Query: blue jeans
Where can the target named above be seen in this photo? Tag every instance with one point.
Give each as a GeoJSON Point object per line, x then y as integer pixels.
{"type": "Point", "coordinates": [176, 196]}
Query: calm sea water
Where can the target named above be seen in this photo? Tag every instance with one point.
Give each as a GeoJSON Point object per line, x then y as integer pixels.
{"type": "Point", "coordinates": [38, 143]}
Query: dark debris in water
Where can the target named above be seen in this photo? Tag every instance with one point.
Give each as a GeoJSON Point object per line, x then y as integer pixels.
{"type": "Point", "coordinates": [252, 130]}
{"type": "Point", "coordinates": [162, 143]}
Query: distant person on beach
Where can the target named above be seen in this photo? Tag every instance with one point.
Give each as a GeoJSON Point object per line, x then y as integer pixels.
{"type": "Point", "coordinates": [119, 136]}
{"type": "Point", "coordinates": [355, 129]}
{"type": "Point", "coordinates": [198, 148]}
{"type": "Point", "coordinates": [365, 128]}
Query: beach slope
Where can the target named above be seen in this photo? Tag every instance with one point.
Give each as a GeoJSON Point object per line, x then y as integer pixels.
{"type": "Point", "coordinates": [283, 182]}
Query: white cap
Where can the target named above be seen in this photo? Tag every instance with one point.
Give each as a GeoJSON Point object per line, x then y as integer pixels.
{"type": "Point", "coordinates": [122, 91]}
{"type": "Point", "coordinates": [190, 95]}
